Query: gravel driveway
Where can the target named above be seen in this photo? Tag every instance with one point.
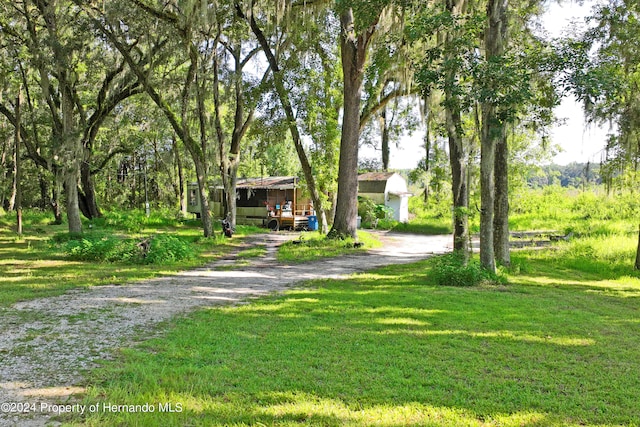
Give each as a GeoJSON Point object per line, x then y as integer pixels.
{"type": "Point", "coordinates": [48, 344]}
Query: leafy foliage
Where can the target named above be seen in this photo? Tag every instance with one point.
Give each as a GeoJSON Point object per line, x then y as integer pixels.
{"type": "Point", "coordinates": [604, 65]}
{"type": "Point", "coordinates": [446, 66]}
{"type": "Point", "coordinates": [136, 220]}
{"type": "Point", "coordinates": [450, 270]}
{"type": "Point", "coordinates": [577, 175]}
{"type": "Point", "coordinates": [167, 248]}
{"type": "Point", "coordinates": [158, 249]}
{"type": "Point", "coordinates": [374, 215]}
{"type": "Point", "coordinates": [101, 249]}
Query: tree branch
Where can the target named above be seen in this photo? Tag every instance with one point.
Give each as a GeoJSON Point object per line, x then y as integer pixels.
{"type": "Point", "coordinates": [109, 156]}
{"type": "Point", "coordinates": [31, 150]}
{"type": "Point", "coordinates": [371, 110]}
{"type": "Point", "coordinates": [160, 14]}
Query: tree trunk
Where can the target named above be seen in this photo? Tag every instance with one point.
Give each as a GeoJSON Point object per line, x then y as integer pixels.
{"type": "Point", "coordinates": [228, 163]}
{"type": "Point", "coordinates": [427, 157]}
{"type": "Point", "coordinates": [283, 95]}
{"type": "Point", "coordinates": [458, 161]}
{"type": "Point", "coordinates": [487, 187]}
{"type": "Point", "coordinates": [3, 164]}
{"type": "Point", "coordinates": [457, 149]}
{"type": "Point", "coordinates": [229, 182]}
{"type": "Point", "coordinates": [72, 157]}
{"type": "Point", "coordinates": [492, 132]}
{"type": "Point", "coordinates": [56, 192]}
{"type": "Point", "coordinates": [203, 188]}
{"type": "Point", "coordinates": [181, 196]}
{"type": "Point", "coordinates": [637, 264]}
{"type": "Point", "coordinates": [384, 131]}
{"type": "Point", "coordinates": [44, 191]}
{"type": "Point", "coordinates": [345, 221]}
{"type": "Point", "coordinates": [330, 213]}
{"type": "Point", "coordinates": [501, 207]}
{"type": "Point", "coordinates": [82, 204]}
{"type": "Point", "coordinates": [88, 188]}
{"type": "Point", "coordinates": [205, 212]}
{"type": "Point", "coordinates": [63, 108]}
{"type": "Point", "coordinates": [18, 176]}
{"type": "Point", "coordinates": [73, 209]}
{"type": "Point", "coordinates": [353, 49]}
{"type": "Point", "coordinates": [14, 186]}
{"type": "Point", "coordinates": [228, 170]}
{"type": "Point", "coordinates": [230, 160]}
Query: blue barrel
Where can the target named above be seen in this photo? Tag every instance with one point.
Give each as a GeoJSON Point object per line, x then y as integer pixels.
{"type": "Point", "coordinates": [313, 222]}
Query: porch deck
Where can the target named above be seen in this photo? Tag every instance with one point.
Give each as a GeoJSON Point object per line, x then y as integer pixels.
{"type": "Point", "coordinates": [284, 221]}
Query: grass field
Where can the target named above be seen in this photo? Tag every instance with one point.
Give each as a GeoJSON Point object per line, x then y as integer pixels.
{"type": "Point", "coordinates": [554, 346]}
{"type": "Point", "coordinates": [557, 346]}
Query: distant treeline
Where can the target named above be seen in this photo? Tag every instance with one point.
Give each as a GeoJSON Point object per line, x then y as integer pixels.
{"type": "Point", "coordinates": [571, 175]}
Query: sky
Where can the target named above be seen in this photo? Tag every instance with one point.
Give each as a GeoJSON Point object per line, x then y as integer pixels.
{"type": "Point", "coordinates": [578, 142]}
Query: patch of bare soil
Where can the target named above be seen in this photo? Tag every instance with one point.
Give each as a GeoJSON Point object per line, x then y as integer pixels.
{"type": "Point", "coordinates": [49, 344]}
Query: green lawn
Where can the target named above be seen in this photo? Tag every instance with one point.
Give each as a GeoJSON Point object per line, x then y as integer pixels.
{"type": "Point", "coordinates": [557, 346]}
{"type": "Point", "coordinates": [314, 246]}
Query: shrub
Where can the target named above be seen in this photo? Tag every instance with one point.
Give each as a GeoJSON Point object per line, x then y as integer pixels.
{"type": "Point", "coordinates": [383, 212]}
{"type": "Point", "coordinates": [387, 224]}
{"type": "Point", "coordinates": [131, 221]}
{"type": "Point", "coordinates": [162, 248]}
{"type": "Point", "coordinates": [167, 248]}
{"type": "Point", "coordinates": [367, 212]}
{"type": "Point", "coordinates": [101, 248]}
{"type": "Point", "coordinates": [136, 220]}
{"type": "Point", "coordinates": [449, 270]}
{"type": "Point", "coordinates": [65, 237]}
{"type": "Point", "coordinates": [375, 215]}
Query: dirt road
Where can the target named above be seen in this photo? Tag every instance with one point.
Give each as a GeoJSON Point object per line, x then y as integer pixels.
{"type": "Point", "coordinates": [49, 344]}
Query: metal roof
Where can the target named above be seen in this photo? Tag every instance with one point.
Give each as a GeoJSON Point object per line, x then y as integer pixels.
{"type": "Point", "coordinates": [270, 183]}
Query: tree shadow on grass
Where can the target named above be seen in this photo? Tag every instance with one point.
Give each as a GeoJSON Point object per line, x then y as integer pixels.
{"type": "Point", "coordinates": [30, 278]}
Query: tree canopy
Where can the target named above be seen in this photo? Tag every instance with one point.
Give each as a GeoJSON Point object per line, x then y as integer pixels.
{"type": "Point", "coordinates": [121, 103]}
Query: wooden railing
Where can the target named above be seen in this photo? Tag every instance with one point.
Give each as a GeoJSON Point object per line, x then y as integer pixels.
{"type": "Point", "coordinates": [303, 210]}
{"type": "Point", "coordinates": [297, 210]}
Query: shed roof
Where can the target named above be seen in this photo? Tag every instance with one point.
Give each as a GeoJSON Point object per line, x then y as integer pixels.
{"type": "Point", "coordinates": [375, 176]}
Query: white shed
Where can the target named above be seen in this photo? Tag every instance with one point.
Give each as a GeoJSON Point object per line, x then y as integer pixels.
{"type": "Point", "coordinates": [386, 188]}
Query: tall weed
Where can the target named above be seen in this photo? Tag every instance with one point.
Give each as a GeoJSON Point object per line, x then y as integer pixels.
{"type": "Point", "coordinates": [434, 217]}
{"type": "Point", "coordinates": [585, 213]}
{"type": "Point", "coordinates": [96, 248]}
{"type": "Point", "coordinates": [611, 250]}
{"type": "Point", "coordinates": [135, 220]}
{"type": "Point", "coordinates": [166, 248]}
{"type": "Point", "coordinates": [158, 249]}
{"type": "Point", "coordinates": [450, 270]}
